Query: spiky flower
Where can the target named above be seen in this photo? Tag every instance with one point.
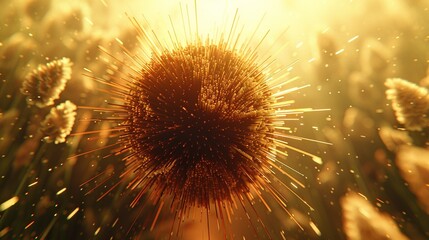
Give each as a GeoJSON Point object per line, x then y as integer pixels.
{"type": "Point", "coordinates": [363, 221]}
{"type": "Point", "coordinates": [44, 85]}
{"type": "Point", "coordinates": [59, 122]}
{"type": "Point", "coordinates": [374, 58]}
{"type": "Point", "coordinates": [394, 139]}
{"type": "Point", "coordinates": [410, 103]}
{"type": "Point", "coordinates": [414, 166]}
{"type": "Point", "coordinates": [201, 124]}
{"type": "Point", "coordinates": [199, 114]}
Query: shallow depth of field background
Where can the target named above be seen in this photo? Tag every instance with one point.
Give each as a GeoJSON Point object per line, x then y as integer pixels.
{"type": "Point", "coordinates": [344, 49]}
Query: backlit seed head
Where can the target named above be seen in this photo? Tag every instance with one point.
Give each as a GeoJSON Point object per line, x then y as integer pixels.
{"type": "Point", "coordinates": [37, 9]}
{"type": "Point", "coordinates": [59, 122]}
{"type": "Point", "coordinates": [394, 139]}
{"type": "Point", "coordinates": [201, 127]}
{"type": "Point", "coordinates": [414, 168]}
{"type": "Point", "coordinates": [44, 84]}
{"type": "Point", "coordinates": [363, 221]}
{"type": "Point", "coordinates": [410, 103]}
{"type": "Point", "coordinates": [198, 119]}
{"type": "Point", "coordinates": [374, 57]}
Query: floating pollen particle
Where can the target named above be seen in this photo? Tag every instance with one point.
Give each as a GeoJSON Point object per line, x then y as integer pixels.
{"type": "Point", "coordinates": [363, 221]}
{"type": "Point", "coordinates": [59, 122]}
{"type": "Point", "coordinates": [44, 84]}
{"type": "Point", "coordinates": [9, 203]}
{"type": "Point", "coordinates": [410, 103]}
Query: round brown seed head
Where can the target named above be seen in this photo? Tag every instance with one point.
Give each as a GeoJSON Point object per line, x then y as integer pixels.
{"type": "Point", "coordinates": [198, 119]}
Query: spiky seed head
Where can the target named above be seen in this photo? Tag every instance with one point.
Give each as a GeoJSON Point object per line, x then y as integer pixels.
{"type": "Point", "coordinates": [37, 9]}
{"type": "Point", "coordinates": [410, 103]}
{"type": "Point", "coordinates": [363, 221]}
{"type": "Point", "coordinates": [45, 84]}
{"type": "Point", "coordinates": [374, 57]}
{"type": "Point", "coordinates": [201, 125]}
{"type": "Point", "coordinates": [394, 139]}
{"type": "Point", "coordinates": [414, 168]}
{"type": "Point", "coordinates": [198, 122]}
{"type": "Point", "coordinates": [59, 122]}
